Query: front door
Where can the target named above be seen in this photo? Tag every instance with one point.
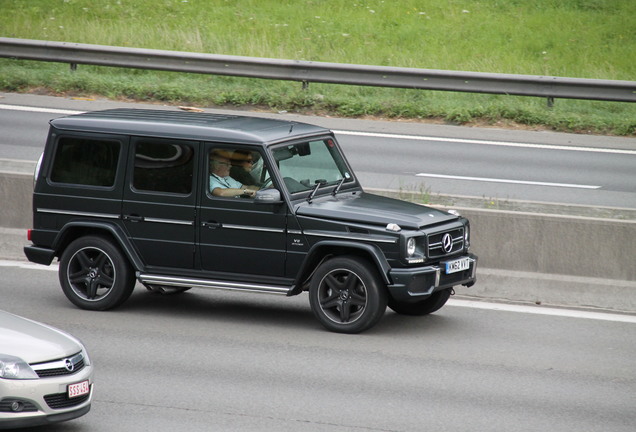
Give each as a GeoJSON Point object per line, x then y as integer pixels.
{"type": "Point", "coordinates": [159, 201]}
{"type": "Point", "coordinates": [237, 235]}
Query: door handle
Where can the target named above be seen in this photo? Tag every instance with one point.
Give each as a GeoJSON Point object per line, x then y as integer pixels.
{"type": "Point", "coordinates": [212, 225]}
{"type": "Point", "coordinates": [133, 218]}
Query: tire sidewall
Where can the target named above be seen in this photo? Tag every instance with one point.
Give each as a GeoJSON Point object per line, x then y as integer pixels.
{"type": "Point", "coordinates": [376, 294]}
{"type": "Point", "coordinates": [123, 279]}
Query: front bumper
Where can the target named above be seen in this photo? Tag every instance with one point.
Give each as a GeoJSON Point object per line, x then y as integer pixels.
{"type": "Point", "coordinates": [44, 400]}
{"type": "Point", "coordinates": [414, 284]}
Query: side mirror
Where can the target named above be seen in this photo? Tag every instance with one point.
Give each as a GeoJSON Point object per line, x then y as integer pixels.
{"type": "Point", "coordinates": [268, 196]}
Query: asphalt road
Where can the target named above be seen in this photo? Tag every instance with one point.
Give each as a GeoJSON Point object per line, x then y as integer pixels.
{"type": "Point", "coordinates": [212, 360]}
{"type": "Point", "coordinates": [491, 164]}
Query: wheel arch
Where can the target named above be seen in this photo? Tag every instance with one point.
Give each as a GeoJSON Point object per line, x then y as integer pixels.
{"type": "Point", "coordinates": [75, 230]}
{"type": "Point", "coordinates": [329, 248]}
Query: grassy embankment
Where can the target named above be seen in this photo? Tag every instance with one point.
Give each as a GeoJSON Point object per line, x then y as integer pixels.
{"type": "Point", "coordinates": [570, 38]}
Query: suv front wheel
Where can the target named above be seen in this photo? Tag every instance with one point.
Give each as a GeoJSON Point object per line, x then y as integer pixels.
{"type": "Point", "coordinates": [346, 295]}
{"type": "Point", "coordinates": [95, 274]}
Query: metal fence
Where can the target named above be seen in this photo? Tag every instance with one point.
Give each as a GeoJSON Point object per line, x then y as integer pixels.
{"type": "Point", "coordinates": [319, 72]}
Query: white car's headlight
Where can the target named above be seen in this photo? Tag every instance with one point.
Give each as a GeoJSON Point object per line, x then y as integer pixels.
{"type": "Point", "coordinates": [15, 368]}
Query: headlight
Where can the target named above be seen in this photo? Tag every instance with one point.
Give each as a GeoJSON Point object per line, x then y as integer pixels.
{"type": "Point", "coordinates": [15, 368]}
{"type": "Point", "coordinates": [410, 247]}
{"type": "Point", "coordinates": [467, 236]}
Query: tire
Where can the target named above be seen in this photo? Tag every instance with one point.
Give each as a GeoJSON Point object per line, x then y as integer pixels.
{"type": "Point", "coordinates": [434, 302]}
{"type": "Point", "coordinates": [95, 274]}
{"type": "Point", "coordinates": [346, 295]}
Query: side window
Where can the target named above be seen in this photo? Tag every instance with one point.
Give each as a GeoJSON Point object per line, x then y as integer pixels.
{"type": "Point", "coordinates": [235, 173]}
{"type": "Point", "coordinates": [163, 167]}
{"type": "Point", "coordinates": [85, 161]}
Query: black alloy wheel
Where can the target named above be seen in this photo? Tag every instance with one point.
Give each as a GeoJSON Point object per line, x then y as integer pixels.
{"type": "Point", "coordinates": [346, 295]}
{"type": "Point", "coordinates": [95, 274]}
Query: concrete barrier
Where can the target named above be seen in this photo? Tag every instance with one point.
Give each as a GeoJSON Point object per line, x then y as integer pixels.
{"type": "Point", "coordinates": [525, 257]}
{"type": "Point", "coordinates": [16, 190]}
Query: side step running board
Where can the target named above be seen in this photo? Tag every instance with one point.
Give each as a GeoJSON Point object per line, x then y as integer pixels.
{"type": "Point", "coordinates": [207, 283]}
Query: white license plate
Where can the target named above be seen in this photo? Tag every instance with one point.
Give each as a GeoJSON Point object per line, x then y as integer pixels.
{"type": "Point", "coordinates": [457, 265]}
{"type": "Point", "coordinates": [79, 389]}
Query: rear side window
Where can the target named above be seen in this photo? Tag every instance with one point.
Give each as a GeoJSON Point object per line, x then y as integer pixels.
{"type": "Point", "coordinates": [86, 161]}
{"type": "Point", "coordinates": [163, 167]}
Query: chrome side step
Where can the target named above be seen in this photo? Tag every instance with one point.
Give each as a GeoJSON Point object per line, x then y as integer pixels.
{"type": "Point", "coordinates": [152, 279]}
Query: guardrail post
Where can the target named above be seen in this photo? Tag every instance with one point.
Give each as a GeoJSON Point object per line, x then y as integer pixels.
{"type": "Point", "coordinates": [550, 101]}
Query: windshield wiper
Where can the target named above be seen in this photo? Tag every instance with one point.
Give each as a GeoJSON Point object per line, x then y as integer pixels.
{"type": "Point", "coordinates": [313, 192]}
{"type": "Point", "coordinates": [337, 189]}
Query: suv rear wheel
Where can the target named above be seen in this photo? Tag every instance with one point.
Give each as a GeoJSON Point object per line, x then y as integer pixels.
{"type": "Point", "coordinates": [434, 302]}
{"type": "Point", "coordinates": [95, 274]}
{"type": "Point", "coordinates": [346, 295]}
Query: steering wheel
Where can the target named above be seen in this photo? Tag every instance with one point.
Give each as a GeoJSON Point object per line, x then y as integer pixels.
{"type": "Point", "coordinates": [267, 183]}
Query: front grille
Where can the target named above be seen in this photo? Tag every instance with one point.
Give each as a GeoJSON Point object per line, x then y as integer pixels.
{"type": "Point", "coordinates": [53, 372]}
{"type": "Point", "coordinates": [61, 400]}
{"type": "Point", "coordinates": [436, 246]}
{"type": "Point", "coordinates": [61, 367]}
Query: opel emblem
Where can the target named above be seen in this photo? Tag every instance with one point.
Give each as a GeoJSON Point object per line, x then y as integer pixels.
{"type": "Point", "coordinates": [69, 365]}
{"type": "Point", "coordinates": [447, 243]}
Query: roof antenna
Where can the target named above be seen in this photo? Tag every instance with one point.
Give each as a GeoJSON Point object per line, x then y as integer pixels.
{"type": "Point", "coordinates": [291, 127]}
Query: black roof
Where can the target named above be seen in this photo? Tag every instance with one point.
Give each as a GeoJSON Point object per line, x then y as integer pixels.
{"type": "Point", "coordinates": [188, 125]}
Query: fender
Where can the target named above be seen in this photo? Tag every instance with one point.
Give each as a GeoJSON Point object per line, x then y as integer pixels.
{"type": "Point", "coordinates": [90, 227]}
{"type": "Point", "coordinates": [314, 257]}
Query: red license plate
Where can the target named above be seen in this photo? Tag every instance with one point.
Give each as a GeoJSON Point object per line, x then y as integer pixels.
{"type": "Point", "coordinates": [79, 389]}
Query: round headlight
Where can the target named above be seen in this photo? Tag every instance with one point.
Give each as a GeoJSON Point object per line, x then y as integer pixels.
{"type": "Point", "coordinates": [410, 247]}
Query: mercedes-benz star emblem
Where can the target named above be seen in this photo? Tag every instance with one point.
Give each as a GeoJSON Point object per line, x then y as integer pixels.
{"type": "Point", "coordinates": [447, 243]}
{"type": "Point", "coordinates": [69, 365]}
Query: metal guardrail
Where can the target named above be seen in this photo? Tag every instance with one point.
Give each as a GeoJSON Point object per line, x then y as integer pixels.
{"type": "Point", "coordinates": [319, 72]}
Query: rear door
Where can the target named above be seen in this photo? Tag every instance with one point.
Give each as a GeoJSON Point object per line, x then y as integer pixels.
{"type": "Point", "coordinates": [159, 201]}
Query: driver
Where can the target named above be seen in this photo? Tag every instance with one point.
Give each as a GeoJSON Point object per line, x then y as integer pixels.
{"type": "Point", "coordinates": [221, 183]}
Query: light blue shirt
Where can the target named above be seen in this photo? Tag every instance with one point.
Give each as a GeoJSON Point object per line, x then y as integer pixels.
{"type": "Point", "coordinates": [223, 182]}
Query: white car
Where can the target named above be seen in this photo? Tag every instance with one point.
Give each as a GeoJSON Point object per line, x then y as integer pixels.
{"type": "Point", "coordinates": [45, 374]}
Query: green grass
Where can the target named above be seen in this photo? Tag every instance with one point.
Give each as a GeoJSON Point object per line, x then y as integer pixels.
{"type": "Point", "coordinates": [573, 38]}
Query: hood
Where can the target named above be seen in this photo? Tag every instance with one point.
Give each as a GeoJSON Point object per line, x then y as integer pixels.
{"type": "Point", "coordinates": [34, 342]}
{"type": "Point", "coordinates": [373, 209]}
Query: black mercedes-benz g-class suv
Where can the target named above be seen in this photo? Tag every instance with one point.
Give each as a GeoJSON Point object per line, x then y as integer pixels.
{"type": "Point", "coordinates": [177, 200]}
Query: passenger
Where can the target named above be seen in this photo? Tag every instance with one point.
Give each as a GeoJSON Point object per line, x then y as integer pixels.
{"type": "Point", "coordinates": [221, 184]}
{"type": "Point", "coordinates": [242, 164]}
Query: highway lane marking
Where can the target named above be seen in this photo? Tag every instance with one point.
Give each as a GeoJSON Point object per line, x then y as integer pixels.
{"type": "Point", "coordinates": [542, 310]}
{"type": "Point", "coordinates": [38, 109]}
{"type": "Point", "coordinates": [487, 142]}
{"type": "Point", "coordinates": [525, 182]}
{"type": "Point", "coordinates": [537, 310]}
{"type": "Point", "coordinates": [389, 135]}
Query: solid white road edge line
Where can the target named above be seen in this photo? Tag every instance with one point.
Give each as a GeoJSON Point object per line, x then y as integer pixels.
{"type": "Point", "coordinates": [538, 310]}
{"type": "Point", "coordinates": [542, 310]}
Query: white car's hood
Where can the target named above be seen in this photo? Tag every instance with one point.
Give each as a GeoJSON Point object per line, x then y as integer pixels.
{"type": "Point", "coordinates": [34, 342]}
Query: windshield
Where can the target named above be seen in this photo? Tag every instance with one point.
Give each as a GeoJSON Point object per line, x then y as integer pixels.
{"type": "Point", "coordinates": [304, 165]}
